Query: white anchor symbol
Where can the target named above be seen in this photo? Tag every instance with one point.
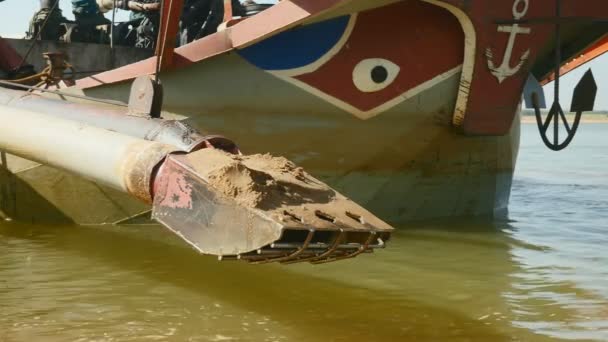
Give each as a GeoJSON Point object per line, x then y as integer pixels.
{"type": "Point", "coordinates": [505, 70]}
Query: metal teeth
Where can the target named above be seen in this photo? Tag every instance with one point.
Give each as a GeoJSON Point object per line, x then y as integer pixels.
{"type": "Point", "coordinates": [328, 252]}
{"type": "Point", "coordinates": [291, 256]}
{"type": "Point", "coordinates": [361, 250]}
{"type": "Point", "coordinates": [312, 252]}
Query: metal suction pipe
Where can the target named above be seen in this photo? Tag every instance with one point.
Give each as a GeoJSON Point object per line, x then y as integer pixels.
{"type": "Point", "coordinates": [171, 132]}
{"type": "Point", "coordinates": [116, 160]}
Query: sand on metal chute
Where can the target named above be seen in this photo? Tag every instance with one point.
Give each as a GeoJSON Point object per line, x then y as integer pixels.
{"type": "Point", "coordinates": [260, 209]}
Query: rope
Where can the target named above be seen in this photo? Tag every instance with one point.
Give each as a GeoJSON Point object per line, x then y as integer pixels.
{"type": "Point", "coordinates": [37, 76]}
{"type": "Point", "coordinates": [38, 35]}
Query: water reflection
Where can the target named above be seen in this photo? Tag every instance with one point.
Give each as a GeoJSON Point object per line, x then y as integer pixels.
{"type": "Point", "coordinates": [559, 201]}
{"type": "Point", "coordinates": [127, 283]}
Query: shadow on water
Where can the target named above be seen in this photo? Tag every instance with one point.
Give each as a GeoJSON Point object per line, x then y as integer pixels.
{"type": "Point", "coordinates": [425, 287]}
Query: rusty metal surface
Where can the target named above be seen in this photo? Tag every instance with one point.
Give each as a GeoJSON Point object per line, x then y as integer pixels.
{"type": "Point", "coordinates": [186, 138]}
{"type": "Point", "coordinates": [55, 71]}
{"type": "Point", "coordinates": [146, 97]}
{"type": "Point", "coordinates": [168, 32]}
{"type": "Point", "coordinates": [309, 230]}
{"type": "Point", "coordinates": [139, 167]}
{"type": "Point", "coordinates": [210, 223]}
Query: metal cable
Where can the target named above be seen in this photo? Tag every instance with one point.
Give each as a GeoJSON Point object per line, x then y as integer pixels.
{"type": "Point", "coordinates": [60, 93]}
{"type": "Point", "coordinates": [92, 72]}
{"type": "Point", "coordinates": [112, 34]}
{"type": "Point", "coordinates": [558, 65]}
{"type": "Point", "coordinates": [112, 28]}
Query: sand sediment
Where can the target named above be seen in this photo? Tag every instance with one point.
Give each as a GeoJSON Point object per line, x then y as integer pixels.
{"type": "Point", "coordinates": [262, 181]}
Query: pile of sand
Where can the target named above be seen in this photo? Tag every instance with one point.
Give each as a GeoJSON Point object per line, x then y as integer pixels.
{"type": "Point", "coordinates": [261, 180]}
{"type": "Point", "coordinates": [280, 188]}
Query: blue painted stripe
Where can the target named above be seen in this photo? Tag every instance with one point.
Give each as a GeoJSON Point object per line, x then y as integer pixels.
{"type": "Point", "coordinates": [297, 47]}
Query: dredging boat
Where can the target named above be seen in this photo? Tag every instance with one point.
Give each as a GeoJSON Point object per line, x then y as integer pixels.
{"type": "Point", "coordinates": [409, 107]}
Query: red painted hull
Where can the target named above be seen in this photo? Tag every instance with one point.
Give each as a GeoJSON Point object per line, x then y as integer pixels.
{"type": "Point", "coordinates": [498, 55]}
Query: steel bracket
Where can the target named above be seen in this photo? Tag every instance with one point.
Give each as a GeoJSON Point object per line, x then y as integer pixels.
{"type": "Point", "coordinates": [146, 97]}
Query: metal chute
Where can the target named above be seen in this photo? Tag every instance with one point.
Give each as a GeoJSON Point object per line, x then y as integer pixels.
{"type": "Point", "coordinates": [260, 211]}
{"type": "Point", "coordinates": [254, 208]}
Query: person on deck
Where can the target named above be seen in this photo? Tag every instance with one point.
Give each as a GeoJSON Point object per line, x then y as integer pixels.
{"type": "Point", "coordinates": [88, 19]}
{"type": "Point", "coordinates": [87, 13]}
{"type": "Point", "coordinates": [201, 18]}
{"type": "Point", "coordinates": [144, 22]}
{"type": "Point", "coordinates": [195, 19]}
{"type": "Point", "coordinates": [85, 9]}
{"type": "Point", "coordinates": [148, 19]}
{"type": "Point", "coordinates": [47, 22]}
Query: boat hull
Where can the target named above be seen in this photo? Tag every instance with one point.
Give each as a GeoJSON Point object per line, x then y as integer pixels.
{"type": "Point", "coordinates": [407, 164]}
{"type": "Point", "coordinates": [387, 142]}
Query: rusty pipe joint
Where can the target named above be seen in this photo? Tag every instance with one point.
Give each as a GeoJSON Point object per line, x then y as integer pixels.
{"type": "Point", "coordinates": [116, 160]}
{"type": "Point", "coordinates": [141, 168]}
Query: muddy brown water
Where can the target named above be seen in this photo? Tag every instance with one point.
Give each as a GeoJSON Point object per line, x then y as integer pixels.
{"type": "Point", "coordinates": [541, 276]}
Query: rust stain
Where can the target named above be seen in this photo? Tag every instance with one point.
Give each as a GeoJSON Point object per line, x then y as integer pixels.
{"type": "Point", "coordinates": [140, 160]}
{"type": "Point", "coordinates": [178, 192]}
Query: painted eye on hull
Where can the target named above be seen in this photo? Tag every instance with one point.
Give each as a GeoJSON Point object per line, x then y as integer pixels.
{"type": "Point", "coordinates": [374, 74]}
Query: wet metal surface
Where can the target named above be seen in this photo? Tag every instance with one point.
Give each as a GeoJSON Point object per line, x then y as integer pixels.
{"type": "Point", "coordinates": [540, 277]}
